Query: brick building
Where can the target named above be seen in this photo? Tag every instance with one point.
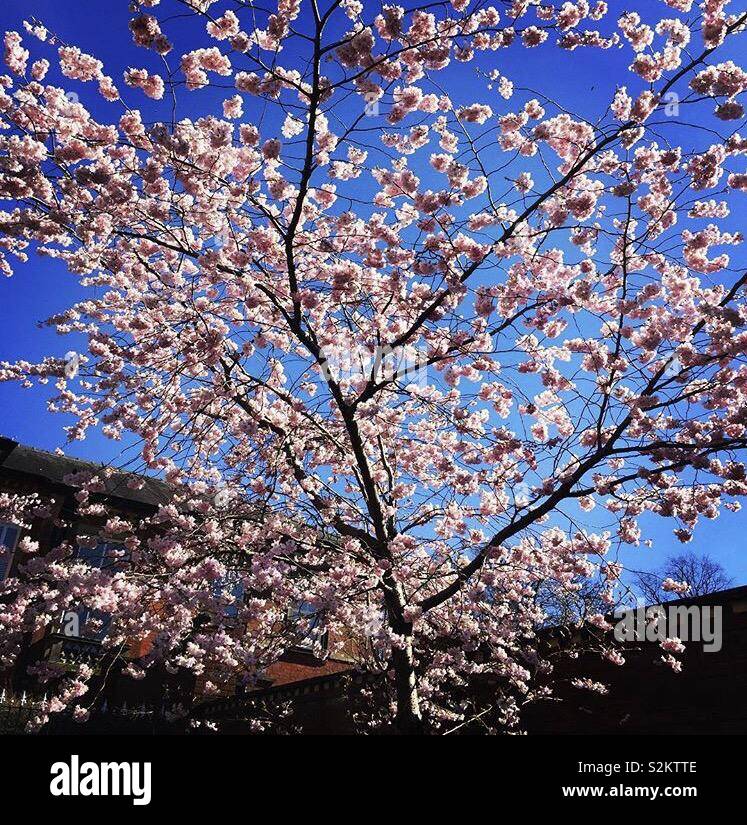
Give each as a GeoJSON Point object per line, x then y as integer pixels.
{"type": "Point", "coordinates": [25, 470]}
{"type": "Point", "coordinates": [646, 696]}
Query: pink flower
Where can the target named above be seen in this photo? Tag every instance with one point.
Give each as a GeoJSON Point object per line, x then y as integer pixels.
{"type": "Point", "coordinates": [233, 107]}
{"type": "Point", "coordinates": [79, 66]}
{"type": "Point", "coordinates": [589, 684]}
{"type": "Point", "coordinates": [224, 27]}
{"type": "Point", "coordinates": [669, 585]}
{"type": "Point", "coordinates": [16, 56]}
{"type": "Point", "coordinates": [672, 663]}
{"type": "Point", "coordinates": [533, 36]}
{"type": "Point", "coordinates": [81, 714]}
{"type": "Point", "coordinates": [673, 645]}
{"type": "Point", "coordinates": [147, 32]}
{"type": "Point", "coordinates": [151, 84]}
{"type": "Point", "coordinates": [271, 149]}
{"type": "Point", "coordinates": [476, 113]}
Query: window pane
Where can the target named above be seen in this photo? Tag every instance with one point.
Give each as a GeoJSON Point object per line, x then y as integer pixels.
{"type": "Point", "coordinates": [8, 537]}
{"type": "Point", "coordinates": [230, 586]}
{"type": "Point", "coordinates": [310, 631]}
{"type": "Point", "coordinates": [104, 554]}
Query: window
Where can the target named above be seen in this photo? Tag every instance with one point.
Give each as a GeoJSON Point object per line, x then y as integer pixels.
{"type": "Point", "coordinates": [83, 622]}
{"type": "Point", "coordinates": [230, 586]}
{"type": "Point", "coordinates": [8, 538]}
{"type": "Point", "coordinates": [310, 633]}
{"type": "Point", "coordinates": [103, 554]}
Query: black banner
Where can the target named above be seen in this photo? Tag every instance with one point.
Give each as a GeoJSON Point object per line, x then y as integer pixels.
{"type": "Point", "coordinates": [145, 775]}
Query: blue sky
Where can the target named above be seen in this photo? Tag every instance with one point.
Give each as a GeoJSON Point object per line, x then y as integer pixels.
{"type": "Point", "coordinates": [42, 287]}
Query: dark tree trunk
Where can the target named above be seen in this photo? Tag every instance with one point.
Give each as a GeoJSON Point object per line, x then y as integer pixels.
{"type": "Point", "coordinates": [408, 721]}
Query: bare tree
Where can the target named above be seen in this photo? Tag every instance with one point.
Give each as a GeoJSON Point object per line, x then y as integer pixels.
{"type": "Point", "coordinates": [572, 604]}
{"type": "Point", "coordinates": [702, 574]}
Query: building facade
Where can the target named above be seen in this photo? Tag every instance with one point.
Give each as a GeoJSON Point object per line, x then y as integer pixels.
{"type": "Point", "coordinates": [26, 470]}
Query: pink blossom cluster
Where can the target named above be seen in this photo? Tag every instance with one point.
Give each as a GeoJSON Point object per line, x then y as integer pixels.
{"type": "Point", "coordinates": [151, 84]}
{"type": "Point", "coordinates": [146, 32]}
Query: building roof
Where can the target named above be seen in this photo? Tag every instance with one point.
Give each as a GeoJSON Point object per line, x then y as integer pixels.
{"type": "Point", "coordinates": [20, 459]}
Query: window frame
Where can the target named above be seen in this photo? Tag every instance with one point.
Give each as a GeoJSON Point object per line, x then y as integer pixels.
{"type": "Point", "coordinates": [6, 526]}
{"type": "Point", "coordinates": [86, 554]}
{"type": "Point", "coordinates": [103, 561]}
{"type": "Point", "coordinates": [316, 641]}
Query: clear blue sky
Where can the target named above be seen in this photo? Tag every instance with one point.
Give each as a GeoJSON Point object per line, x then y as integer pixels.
{"type": "Point", "coordinates": [42, 287]}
